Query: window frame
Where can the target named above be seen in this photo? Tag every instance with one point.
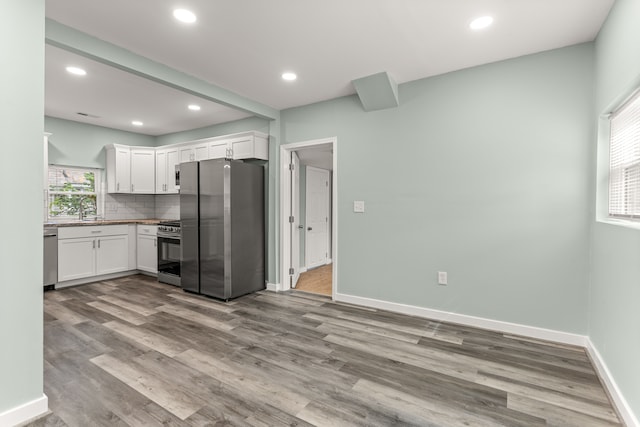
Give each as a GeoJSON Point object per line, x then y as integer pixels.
{"type": "Point", "coordinates": [98, 193]}
{"type": "Point", "coordinates": [623, 200]}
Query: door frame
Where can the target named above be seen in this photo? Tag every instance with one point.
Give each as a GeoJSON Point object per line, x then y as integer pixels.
{"type": "Point", "coordinates": [285, 208]}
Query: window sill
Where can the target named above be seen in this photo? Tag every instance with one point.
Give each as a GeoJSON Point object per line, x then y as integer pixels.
{"type": "Point", "coordinates": [627, 223]}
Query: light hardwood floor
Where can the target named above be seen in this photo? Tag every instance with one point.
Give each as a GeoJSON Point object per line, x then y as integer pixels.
{"type": "Point", "coordinates": [132, 352]}
{"type": "Point", "coordinates": [317, 281]}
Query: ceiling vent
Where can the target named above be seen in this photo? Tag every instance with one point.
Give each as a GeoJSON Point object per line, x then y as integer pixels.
{"type": "Point", "coordinates": [91, 116]}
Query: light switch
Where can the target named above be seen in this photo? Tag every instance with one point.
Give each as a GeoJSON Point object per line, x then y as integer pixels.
{"type": "Point", "coordinates": [358, 206]}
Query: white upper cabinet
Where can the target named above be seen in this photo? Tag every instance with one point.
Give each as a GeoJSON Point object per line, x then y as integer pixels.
{"type": "Point", "coordinates": [166, 161]}
{"type": "Point", "coordinates": [147, 170]}
{"type": "Point", "coordinates": [218, 149]}
{"type": "Point", "coordinates": [130, 169]}
{"type": "Point", "coordinates": [194, 152]}
{"type": "Point", "coordinates": [161, 170]}
{"type": "Point", "coordinates": [143, 170]}
{"type": "Point", "coordinates": [247, 145]}
{"type": "Point", "coordinates": [118, 168]}
{"type": "Point", "coordinates": [252, 146]}
{"type": "Point", "coordinates": [187, 154]}
{"type": "Point", "coordinates": [202, 151]}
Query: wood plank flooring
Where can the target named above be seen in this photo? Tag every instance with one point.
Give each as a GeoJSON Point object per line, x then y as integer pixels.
{"type": "Point", "coordinates": [317, 280]}
{"type": "Point", "coordinates": [133, 352]}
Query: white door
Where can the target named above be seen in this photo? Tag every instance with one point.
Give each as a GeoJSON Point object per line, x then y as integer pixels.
{"type": "Point", "coordinates": [295, 213]}
{"type": "Point", "coordinates": [317, 221]}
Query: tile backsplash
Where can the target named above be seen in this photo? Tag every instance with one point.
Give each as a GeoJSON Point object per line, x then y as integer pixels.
{"type": "Point", "coordinates": [168, 206]}
{"type": "Point", "coordinates": [142, 206]}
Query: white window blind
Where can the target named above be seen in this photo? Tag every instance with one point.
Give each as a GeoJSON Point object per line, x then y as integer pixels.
{"type": "Point", "coordinates": [624, 169]}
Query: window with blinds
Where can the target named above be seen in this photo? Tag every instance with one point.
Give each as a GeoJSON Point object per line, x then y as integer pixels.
{"type": "Point", "coordinates": [624, 168]}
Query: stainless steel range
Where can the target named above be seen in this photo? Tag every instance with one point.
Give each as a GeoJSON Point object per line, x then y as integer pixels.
{"type": "Point", "coordinates": [169, 238]}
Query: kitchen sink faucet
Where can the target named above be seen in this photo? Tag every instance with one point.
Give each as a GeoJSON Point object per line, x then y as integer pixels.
{"type": "Point", "coordinates": [81, 207]}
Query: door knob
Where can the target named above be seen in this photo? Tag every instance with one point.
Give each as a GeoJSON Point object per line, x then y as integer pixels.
{"type": "Point", "coordinates": [309, 228]}
{"type": "Point", "coordinates": [301, 227]}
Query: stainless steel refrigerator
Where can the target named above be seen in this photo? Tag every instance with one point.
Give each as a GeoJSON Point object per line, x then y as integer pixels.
{"type": "Point", "coordinates": [223, 231]}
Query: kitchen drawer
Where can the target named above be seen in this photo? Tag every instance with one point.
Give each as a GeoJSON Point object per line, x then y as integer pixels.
{"type": "Point", "coordinates": [92, 231]}
{"type": "Point", "coordinates": [147, 230]}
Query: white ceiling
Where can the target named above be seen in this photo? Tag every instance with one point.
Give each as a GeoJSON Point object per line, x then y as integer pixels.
{"type": "Point", "coordinates": [245, 45]}
{"type": "Point", "coordinates": [114, 98]}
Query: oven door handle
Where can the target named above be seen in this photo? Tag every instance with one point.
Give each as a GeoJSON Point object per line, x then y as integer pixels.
{"type": "Point", "coordinates": [169, 237]}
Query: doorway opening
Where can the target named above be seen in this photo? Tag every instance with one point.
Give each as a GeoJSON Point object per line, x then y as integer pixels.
{"type": "Point", "coordinates": [309, 217]}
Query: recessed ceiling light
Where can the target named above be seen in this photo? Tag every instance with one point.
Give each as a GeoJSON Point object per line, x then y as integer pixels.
{"type": "Point", "coordinates": [481, 22]}
{"type": "Point", "coordinates": [194, 107]}
{"type": "Point", "coordinates": [289, 76]}
{"type": "Point", "coordinates": [76, 70]}
{"type": "Point", "coordinates": [184, 15]}
{"type": "Point", "coordinates": [137, 123]}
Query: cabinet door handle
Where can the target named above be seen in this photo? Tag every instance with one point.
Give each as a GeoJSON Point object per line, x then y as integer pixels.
{"type": "Point", "coordinates": [155, 243]}
{"type": "Point", "coordinates": [98, 243]}
{"type": "Point", "coordinates": [132, 188]}
{"type": "Point", "coordinates": [118, 187]}
{"type": "Point", "coordinates": [94, 244]}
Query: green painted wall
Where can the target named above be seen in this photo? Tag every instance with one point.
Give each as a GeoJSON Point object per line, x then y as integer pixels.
{"type": "Point", "coordinates": [615, 283]}
{"type": "Point", "coordinates": [80, 144]}
{"type": "Point", "coordinates": [483, 173]}
{"type": "Point", "coordinates": [21, 166]}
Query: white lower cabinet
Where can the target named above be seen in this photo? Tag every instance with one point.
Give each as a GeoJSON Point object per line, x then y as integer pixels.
{"type": "Point", "coordinates": [76, 258]}
{"type": "Point", "coordinates": [89, 251]}
{"type": "Point", "coordinates": [112, 254]}
{"type": "Point", "coordinates": [147, 248]}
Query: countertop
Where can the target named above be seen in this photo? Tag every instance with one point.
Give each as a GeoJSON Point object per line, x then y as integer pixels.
{"type": "Point", "coordinates": [78, 223]}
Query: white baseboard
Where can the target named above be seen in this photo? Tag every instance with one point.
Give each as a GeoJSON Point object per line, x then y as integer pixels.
{"type": "Point", "coordinates": [25, 412]}
{"type": "Point", "coordinates": [614, 392]}
{"type": "Point", "coordinates": [479, 322]}
{"type": "Point", "coordinates": [276, 287]}
{"type": "Point", "coordinates": [92, 279]}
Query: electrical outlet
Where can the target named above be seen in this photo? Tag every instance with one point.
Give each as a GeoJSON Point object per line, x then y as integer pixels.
{"type": "Point", "coordinates": [358, 206]}
{"type": "Point", "coordinates": [442, 277]}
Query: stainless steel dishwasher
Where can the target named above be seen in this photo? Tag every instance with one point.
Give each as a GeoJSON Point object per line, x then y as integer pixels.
{"type": "Point", "coordinates": [50, 266]}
